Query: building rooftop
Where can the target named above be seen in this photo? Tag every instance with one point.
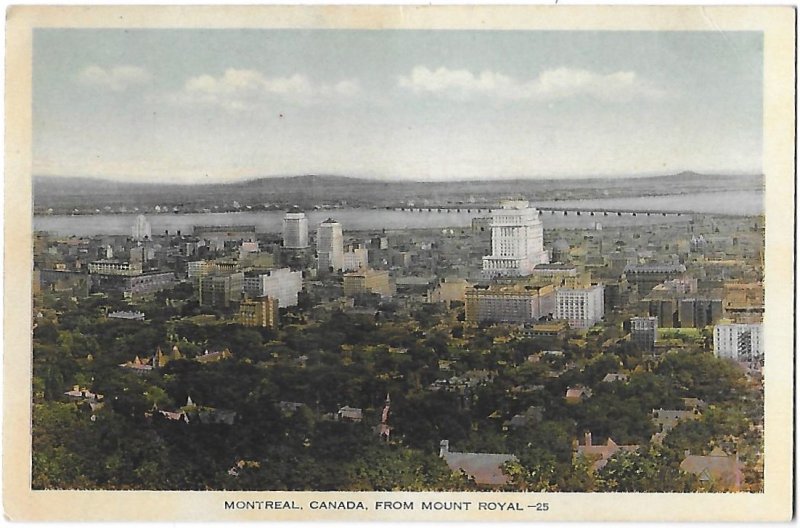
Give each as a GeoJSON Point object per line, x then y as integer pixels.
{"type": "Point", "coordinates": [485, 468]}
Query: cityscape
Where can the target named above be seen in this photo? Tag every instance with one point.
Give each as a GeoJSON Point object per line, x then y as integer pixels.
{"type": "Point", "coordinates": [423, 292]}
{"type": "Point", "coordinates": [498, 355]}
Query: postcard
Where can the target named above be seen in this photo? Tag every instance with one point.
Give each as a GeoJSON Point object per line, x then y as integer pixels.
{"type": "Point", "coordinates": [399, 263]}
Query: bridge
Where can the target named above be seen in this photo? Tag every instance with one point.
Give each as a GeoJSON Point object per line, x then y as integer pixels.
{"type": "Point", "coordinates": [565, 211]}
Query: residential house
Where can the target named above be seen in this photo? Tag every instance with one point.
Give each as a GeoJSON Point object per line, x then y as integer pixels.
{"type": "Point", "coordinates": [599, 455]}
{"type": "Point", "coordinates": [718, 469]}
{"type": "Point", "coordinates": [484, 468]}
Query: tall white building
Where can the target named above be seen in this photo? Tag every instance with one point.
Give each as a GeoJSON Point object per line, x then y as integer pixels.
{"type": "Point", "coordinates": [740, 342]}
{"type": "Point", "coordinates": [295, 229]}
{"type": "Point", "coordinates": [517, 241]}
{"type": "Point", "coordinates": [330, 246]}
{"type": "Point", "coordinates": [282, 284]}
{"type": "Point", "coordinates": [141, 229]}
{"type": "Point", "coordinates": [581, 308]}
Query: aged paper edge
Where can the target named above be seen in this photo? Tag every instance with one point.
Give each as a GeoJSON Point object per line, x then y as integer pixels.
{"type": "Point", "coordinates": [777, 24]}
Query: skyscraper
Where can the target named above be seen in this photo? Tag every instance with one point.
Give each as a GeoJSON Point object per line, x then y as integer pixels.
{"type": "Point", "coordinates": [295, 229]}
{"type": "Point", "coordinates": [517, 241]}
{"type": "Point", "coordinates": [141, 229]}
{"type": "Point", "coordinates": [330, 246]}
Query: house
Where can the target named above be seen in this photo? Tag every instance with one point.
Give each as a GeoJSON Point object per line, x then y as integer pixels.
{"type": "Point", "coordinates": [213, 357]}
{"type": "Point", "coordinates": [350, 414]}
{"type": "Point", "coordinates": [477, 377]}
{"type": "Point", "coordinates": [288, 407]}
{"type": "Point", "coordinates": [694, 403]}
{"type": "Point", "coordinates": [484, 468]}
{"type": "Point", "coordinates": [577, 394]}
{"type": "Point", "coordinates": [179, 416]}
{"type": "Point", "coordinates": [719, 469]}
{"type": "Point", "coordinates": [666, 420]}
{"type": "Point", "coordinates": [139, 366]}
{"type": "Point", "coordinates": [599, 455]}
{"type": "Point", "coordinates": [532, 416]}
{"type": "Point", "coordinates": [79, 394]}
{"type": "Point", "coordinates": [612, 377]}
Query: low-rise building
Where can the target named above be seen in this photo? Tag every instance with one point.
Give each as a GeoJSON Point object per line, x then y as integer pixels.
{"type": "Point", "coordinates": [367, 281]}
{"type": "Point", "coordinates": [127, 315]}
{"type": "Point", "coordinates": [719, 470]}
{"type": "Point", "coordinates": [449, 290]}
{"type": "Point", "coordinates": [115, 267]}
{"type": "Point", "coordinates": [350, 414]}
{"type": "Point", "coordinates": [599, 455]}
{"type": "Point", "coordinates": [485, 469]}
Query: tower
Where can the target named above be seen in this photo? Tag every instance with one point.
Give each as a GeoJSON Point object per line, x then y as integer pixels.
{"type": "Point", "coordinates": [517, 241]}
{"type": "Point", "coordinates": [330, 246]}
{"type": "Point", "coordinates": [295, 229]}
{"type": "Point", "coordinates": [141, 229]}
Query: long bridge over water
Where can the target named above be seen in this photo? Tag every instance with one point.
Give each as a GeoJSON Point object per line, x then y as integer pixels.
{"type": "Point", "coordinates": [565, 211]}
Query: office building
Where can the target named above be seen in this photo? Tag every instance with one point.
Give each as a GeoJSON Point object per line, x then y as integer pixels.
{"type": "Point", "coordinates": [740, 342]}
{"type": "Point", "coordinates": [282, 284]}
{"type": "Point", "coordinates": [295, 229]}
{"type": "Point", "coordinates": [262, 313]}
{"type": "Point", "coordinates": [115, 267]}
{"type": "Point", "coordinates": [517, 241]}
{"type": "Point", "coordinates": [744, 302]}
{"type": "Point", "coordinates": [448, 290]}
{"type": "Point", "coordinates": [355, 259]}
{"type": "Point", "coordinates": [330, 246]}
{"type": "Point", "coordinates": [509, 303]}
{"type": "Point", "coordinates": [220, 289]}
{"type": "Point", "coordinates": [644, 332]}
{"type": "Point", "coordinates": [581, 308]}
{"type": "Point", "coordinates": [367, 281]}
{"type": "Point", "coordinates": [699, 313]}
{"type": "Point", "coordinates": [647, 276]}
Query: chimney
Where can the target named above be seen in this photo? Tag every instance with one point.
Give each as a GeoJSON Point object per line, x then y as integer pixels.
{"type": "Point", "coordinates": [444, 448]}
{"type": "Point", "coordinates": [587, 438]}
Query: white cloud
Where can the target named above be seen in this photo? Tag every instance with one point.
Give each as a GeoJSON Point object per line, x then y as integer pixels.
{"type": "Point", "coordinates": [117, 78]}
{"type": "Point", "coordinates": [559, 83]}
{"type": "Point", "coordinates": [241, 89]}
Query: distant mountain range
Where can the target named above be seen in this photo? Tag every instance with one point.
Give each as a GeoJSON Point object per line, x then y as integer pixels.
{"type": "Point", "coordinates": [59, 192]}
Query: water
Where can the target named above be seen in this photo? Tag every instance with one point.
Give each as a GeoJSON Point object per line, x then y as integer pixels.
{"type": "Point", "coordinates": [741, 203]}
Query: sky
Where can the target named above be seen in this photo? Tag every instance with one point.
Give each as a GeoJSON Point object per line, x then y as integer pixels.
{"type": "Point", "coordinates": [190, 105]}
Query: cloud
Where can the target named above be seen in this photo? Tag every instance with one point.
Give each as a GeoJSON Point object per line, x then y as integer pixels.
{"type": "Point", "coordinates": [117, 78]}
{"type": "Point", "coordinates": [239, 89]}
{"type": "Point", "coordinates": [550, 85]}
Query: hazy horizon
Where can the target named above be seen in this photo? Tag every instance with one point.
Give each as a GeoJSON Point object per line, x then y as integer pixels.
{"type": "Point", "coordinates": [500, 179]}
{"type": "Point", "coordinates": [225, 106]}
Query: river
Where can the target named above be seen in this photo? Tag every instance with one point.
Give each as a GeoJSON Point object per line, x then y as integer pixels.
{"type": "Point", "coordinates": [739, 203]}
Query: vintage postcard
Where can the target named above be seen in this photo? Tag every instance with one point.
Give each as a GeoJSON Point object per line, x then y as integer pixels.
{"type": "Point", "coordinates": [399, 263]}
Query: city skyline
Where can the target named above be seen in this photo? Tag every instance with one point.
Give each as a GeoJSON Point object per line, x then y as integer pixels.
{"type": "Point", "coordinates": [394, 105]}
